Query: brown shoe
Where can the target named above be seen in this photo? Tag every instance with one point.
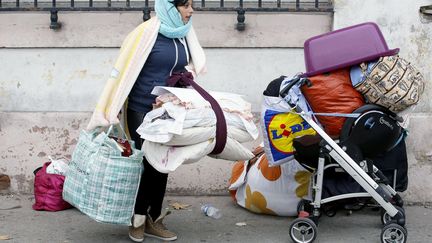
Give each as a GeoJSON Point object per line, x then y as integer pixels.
{"type": "Point", "coordinates": [158, 230]}
{"type": "Point", "coordinates": [136, 231]}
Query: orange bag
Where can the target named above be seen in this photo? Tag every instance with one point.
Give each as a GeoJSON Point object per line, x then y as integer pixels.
{"type": "Point", "coordinates": [332, 93]}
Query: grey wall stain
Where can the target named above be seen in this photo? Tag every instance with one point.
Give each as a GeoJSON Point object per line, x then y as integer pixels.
{"type": "Point", "coordinates": [24, 183]}
{"type": "Point", "coordinates": [64, 134]}
{"type": "Point", "coordinates": [423, 158]}
{"type": "Point", "coordinates": [76, 124]}
{"type": "Point", "coordinates": [423, 43]}
{"type": "Point", "coordinates": [382, 22]}
{"type": "Point", "coordinates": [41, 154]}
{"type": "Point", "coordinates": [74, 141]}
{"type": "Point", "coordinates": [42, 130]}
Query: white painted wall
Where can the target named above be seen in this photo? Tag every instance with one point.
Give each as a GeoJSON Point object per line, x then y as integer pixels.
{"type": "Point", "coordinates": [70, 79]}
{"type": "Point", "coordinates": [403, 27]}
{"type": "Point", "coordinates": [49, 81]}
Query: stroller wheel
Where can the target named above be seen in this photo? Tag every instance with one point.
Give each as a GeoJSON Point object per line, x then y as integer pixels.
{"type": "Point", "coordinates": [393, 233]}
{"type": "Point", "coordinates": [386, 218]}
{"type": "Point", "coordinates": [303, 230]}
{"type": "Point", "coordinates": [329, 210]}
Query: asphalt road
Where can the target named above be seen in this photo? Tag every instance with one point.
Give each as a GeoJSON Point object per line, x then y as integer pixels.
{"type": "Point", "coordinates": [20, 223]}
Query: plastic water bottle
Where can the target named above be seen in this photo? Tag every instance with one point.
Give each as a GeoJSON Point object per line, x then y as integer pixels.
{"type": "Point", "coordinates": [211, 211]}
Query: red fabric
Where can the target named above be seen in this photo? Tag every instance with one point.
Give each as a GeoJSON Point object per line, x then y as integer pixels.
{"type": "Point", "coordinates": [332, 93]}
{"type": "Point", "coordinates": [303, 214]}
{"type": "Point", "coordinates": [48, 190]}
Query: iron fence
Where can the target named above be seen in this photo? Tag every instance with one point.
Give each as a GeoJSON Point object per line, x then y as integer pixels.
{"type": "Point", "coordinates": [146, 6]}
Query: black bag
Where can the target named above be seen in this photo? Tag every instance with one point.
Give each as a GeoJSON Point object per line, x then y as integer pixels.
{"type": "Point", "coordinates": [389, 163]}
{"type": "Point", "coordinates": [394, 162]}
{"type": "Point", "coordinates": [273, 88]}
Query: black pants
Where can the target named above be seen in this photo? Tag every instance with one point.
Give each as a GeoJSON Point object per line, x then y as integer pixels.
{"type": "Point", "coordinates": [152, 187]}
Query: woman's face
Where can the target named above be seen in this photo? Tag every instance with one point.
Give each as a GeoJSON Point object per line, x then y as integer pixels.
{"type": "Point", "coordinates": [186, 11]}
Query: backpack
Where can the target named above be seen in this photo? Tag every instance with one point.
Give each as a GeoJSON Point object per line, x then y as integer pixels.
{"type": "Point", "coordinates": [391, 82]}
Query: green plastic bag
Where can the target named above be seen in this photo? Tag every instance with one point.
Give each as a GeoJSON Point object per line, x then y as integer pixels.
{"type": "Point", "coordinates": [101, 182]}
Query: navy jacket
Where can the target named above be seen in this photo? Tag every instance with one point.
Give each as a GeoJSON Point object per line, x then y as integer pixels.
{"type": "Point", "coordinates": [167, 56]}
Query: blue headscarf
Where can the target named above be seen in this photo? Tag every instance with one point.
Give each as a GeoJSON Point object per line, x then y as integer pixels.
{"type": "Point", "coordinates": [172, 25]}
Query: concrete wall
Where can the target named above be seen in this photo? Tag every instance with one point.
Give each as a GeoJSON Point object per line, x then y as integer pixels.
{"type": "Point", "coordinates": [49, 81]}
{"type": "Point", "coordinates": [404, 28]}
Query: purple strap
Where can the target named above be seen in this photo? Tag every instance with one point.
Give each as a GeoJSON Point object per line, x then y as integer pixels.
{"type": "Point", "coordinates": [186, 79]}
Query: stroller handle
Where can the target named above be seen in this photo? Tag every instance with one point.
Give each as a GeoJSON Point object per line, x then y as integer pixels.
{"type": "Point", "coordinates": [293, 82]}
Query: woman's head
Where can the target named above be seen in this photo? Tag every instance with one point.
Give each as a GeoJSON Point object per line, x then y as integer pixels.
{"type": "Point", "coordinates": [174, 16]}
{"type": "Point", "coordinates": [185, 9]}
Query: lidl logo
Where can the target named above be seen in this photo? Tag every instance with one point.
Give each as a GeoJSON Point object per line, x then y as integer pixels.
{"type": "Point", "coordinates": [285, 131]}
{"type": "Point", "coordinates": [282, 128]}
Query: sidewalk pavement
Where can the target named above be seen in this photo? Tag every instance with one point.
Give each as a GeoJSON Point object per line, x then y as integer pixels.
{"type": "Point", "coordinates": [20, 223]}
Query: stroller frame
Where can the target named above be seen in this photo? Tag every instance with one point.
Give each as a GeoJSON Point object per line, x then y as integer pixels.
{"type": "Point", "coordinates": [305, 225]}
{"type": "Point", "coordinates": [373, 189]}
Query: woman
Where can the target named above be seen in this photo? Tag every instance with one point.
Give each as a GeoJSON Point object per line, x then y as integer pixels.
{"type": "Point", "coordinates": [169, 54]}
{"type": "Point", "coordinates": [149, 55]}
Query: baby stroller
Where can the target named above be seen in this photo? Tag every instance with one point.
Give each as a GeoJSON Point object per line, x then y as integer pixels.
{"type": "Point", "coordinates": [369, 130]}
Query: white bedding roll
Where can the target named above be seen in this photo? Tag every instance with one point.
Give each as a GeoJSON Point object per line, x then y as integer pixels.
{"type": "Point", "coordinates": [166, 159]}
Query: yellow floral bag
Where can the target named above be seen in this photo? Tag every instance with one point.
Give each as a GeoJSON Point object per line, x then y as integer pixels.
{"type": "Point", "coordinates": [275, 190]}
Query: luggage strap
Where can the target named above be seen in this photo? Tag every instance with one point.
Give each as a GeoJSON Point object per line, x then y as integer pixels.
{"type": "Point", "coordinates": [186, 79]}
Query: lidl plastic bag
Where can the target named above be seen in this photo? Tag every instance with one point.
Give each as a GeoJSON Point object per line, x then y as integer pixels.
{"type": "Point", "coordinates": [280, 125]}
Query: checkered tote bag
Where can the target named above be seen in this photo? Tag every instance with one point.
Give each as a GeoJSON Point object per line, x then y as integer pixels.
{"type": "Point", "coordinates": [100, 181]}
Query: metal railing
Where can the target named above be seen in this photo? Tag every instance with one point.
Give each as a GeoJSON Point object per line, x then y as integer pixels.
{"type": "Point", "coordinates": [427, 10]}
{"type": "Point", "coordinates": [146, 6]}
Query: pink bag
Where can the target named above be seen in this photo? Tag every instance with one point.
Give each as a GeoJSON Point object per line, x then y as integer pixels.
{"type": "Point", "coordinates": [48, 190]}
